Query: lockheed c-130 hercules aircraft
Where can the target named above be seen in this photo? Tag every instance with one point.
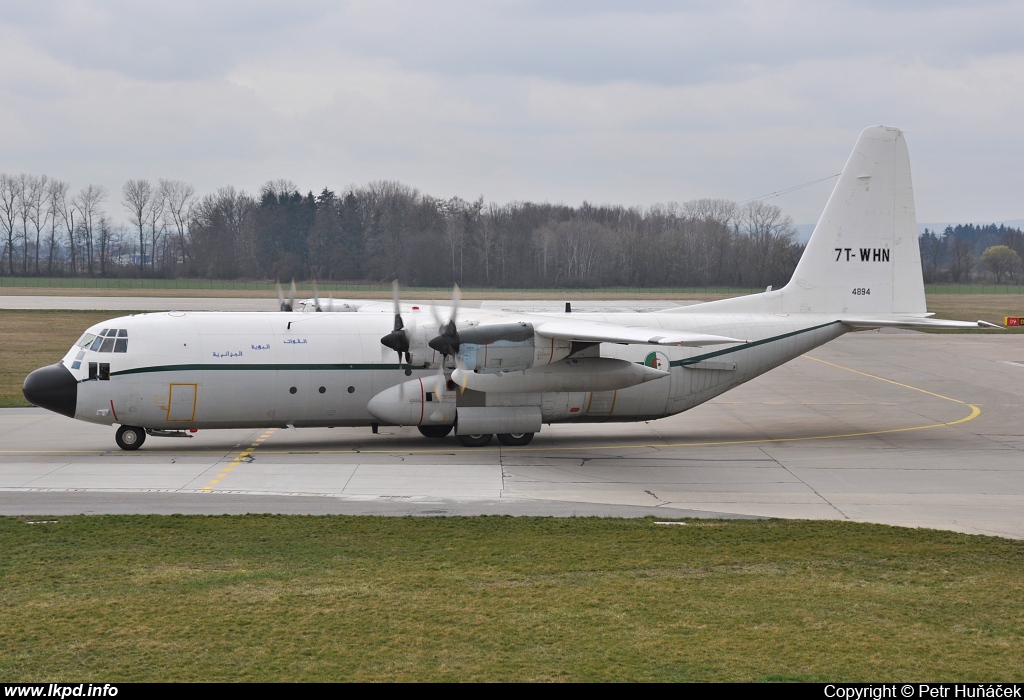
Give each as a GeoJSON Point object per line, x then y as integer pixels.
{"type": "Point", "coordinates": [487, 372]}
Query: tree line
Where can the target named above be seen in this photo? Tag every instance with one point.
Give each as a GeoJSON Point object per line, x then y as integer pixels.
{"type": "Point", "coordinates": [385, 230]}
{"type": "Point", "coordinates": [966, 253]}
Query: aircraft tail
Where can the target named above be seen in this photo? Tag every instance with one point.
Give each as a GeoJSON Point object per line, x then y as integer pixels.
{"type": "Point", "coordinates": [863, 257]}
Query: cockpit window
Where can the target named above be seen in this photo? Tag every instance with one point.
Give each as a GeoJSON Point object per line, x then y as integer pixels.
{"type": "Point", "coordinates": [109, 340]}
{"type": "Point", "coordinates": [86, 340]}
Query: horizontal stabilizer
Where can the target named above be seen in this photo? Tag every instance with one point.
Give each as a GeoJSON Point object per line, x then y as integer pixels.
{"type": "Point", "coordinates": [596, 332]}
{"type": "Point", "coordinates": [916, 323]}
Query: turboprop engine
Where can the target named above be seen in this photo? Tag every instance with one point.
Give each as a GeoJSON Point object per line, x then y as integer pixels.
{"type": "Point", "coordinates": [426, 401]}
{"type": "Point", "coordinates": [507, 347]}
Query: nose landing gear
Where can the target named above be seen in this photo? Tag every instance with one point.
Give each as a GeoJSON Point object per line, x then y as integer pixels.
{"type": "Point", "coordinates": [128, 437]}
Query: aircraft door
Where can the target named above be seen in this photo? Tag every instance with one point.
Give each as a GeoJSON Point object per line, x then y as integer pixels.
{"type": "Point", "coordinates": [181, 403]}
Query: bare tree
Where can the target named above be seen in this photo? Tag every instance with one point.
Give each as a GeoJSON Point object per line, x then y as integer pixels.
{"type": "Point", "coordinates": [136, 196]}
{"type": "Point", "coordinates": [8, 215]}
{"type": "Point", "coordinates": [37, 196]}
{"type": "Point", "coordinates": [22, 203]}
{"type": "Point", "coordinates": [769, 234]}
{"type": "Point", "coordinates": [221, 236]}
{"type": "Point", "coordinates": [178, 197]}
{"type": "Point", "coordinates": [454, 213]}
{"type": "Point", "coordinates": [961, 259]}
{"type": "Point", "coordinates": [65, 211]}
{"type": "Point", "coordinates": [104, 236]}
{"type": "Point", "coordinates": [157, 225]}
{"type": "Point", "coordinates": [87, 204]}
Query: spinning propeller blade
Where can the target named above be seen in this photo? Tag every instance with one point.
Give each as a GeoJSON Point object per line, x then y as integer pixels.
{"type": "Point", "coordinates": [280, 299]}
{"type": "Point", "coordinates": [447, 342]}
{"type": "Point", "coordinates": [398, 338]}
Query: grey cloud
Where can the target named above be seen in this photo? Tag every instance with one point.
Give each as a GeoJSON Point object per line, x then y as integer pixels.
{"type": "Point", "coordinates": [661, 43]}
{"type": "Point", "coordinates": [185, 40]}
{"type": "Point", "coordinates": [577, 42]}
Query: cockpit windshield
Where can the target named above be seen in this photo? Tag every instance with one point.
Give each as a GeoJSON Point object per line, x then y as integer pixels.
{"type": "Point", "coordinates": [108, 340]}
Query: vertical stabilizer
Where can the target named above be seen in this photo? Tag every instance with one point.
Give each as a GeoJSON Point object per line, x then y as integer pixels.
{"type": "Point", "coordinates": [863, 257]}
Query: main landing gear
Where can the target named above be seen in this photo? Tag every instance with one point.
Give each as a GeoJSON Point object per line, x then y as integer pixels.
{"type": "Point", "coordinates": [435, 431]}
{"type": "Point", "coordinates": [515, 439]}
{"type": "Point", "coordinates": [507, 439]}
{"type": "Point", "coordinates": [128, 437]}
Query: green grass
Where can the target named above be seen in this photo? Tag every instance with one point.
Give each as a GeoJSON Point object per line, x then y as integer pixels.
{"type": "Point", "coordinates": [291, 598]}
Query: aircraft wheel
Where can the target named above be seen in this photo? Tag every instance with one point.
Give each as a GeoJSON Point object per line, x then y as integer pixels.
{"type": "Point", "coordinates": [435, 431]}
{"type": "Point", "coordinates": [475, 440]}
{"type": "Point", "coordinates": [515, 439]}
{"type": "Point", "coordinates": [128, 437]}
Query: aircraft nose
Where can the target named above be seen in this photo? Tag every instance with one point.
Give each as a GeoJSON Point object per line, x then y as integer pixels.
{"type": "Point", "coordinates": [53, 388]}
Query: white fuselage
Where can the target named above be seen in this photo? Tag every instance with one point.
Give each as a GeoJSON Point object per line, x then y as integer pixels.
{"type": "Point", "coordinates": [232, 370]}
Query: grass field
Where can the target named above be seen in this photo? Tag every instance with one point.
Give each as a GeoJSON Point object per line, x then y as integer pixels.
{"type": "Point", "coordinates": [290, 598]}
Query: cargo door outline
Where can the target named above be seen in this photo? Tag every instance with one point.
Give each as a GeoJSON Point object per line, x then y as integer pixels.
{"type": "Point", "coordinates": [181, 403]}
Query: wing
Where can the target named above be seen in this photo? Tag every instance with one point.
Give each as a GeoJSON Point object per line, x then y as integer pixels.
{"type": "Point", "coordinates": [915, 323]}
{"type": "Point", "coordinates": [600, 332]}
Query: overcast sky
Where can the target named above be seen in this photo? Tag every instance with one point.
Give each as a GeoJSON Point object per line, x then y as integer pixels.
{"type": "Point", "coordinates": [628, 103]}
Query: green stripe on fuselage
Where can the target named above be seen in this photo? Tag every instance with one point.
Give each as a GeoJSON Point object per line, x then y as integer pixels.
{"type": "Point", "coordinates": [261, 367]}
{"type": "Point", "coordinates": [745, 346]}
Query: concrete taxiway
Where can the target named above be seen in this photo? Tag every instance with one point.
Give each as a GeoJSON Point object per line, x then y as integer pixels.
{"type": "Point", "coordinates": [898, 427]}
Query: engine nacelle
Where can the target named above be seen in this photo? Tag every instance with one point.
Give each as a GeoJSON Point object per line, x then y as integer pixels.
{"type": "Point", "coordinates": [426, 401]}
{"type": "Point", "coordinates": [420, 354]}
{"type": "Point", "coordinates": [577, 374]}
{"type": "Point", "coordinates": [508, 347]}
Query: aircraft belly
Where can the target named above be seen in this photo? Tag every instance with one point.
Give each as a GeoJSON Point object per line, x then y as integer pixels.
{"type": "Point", "coordinates": [703, 381]}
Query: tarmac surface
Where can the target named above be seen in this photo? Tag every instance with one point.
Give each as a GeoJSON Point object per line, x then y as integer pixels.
{"type": "Point", "coordinates": [900, 428]}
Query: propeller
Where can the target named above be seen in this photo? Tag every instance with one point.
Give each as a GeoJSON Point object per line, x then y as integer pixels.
{"type": "Point", "coordinates": [316, 298]}
{"type": "Point", "coordinates": [398, 338]}
{"type": "Point", "coordinates": [447, 342]}
{"type": "Point", "coordinates": [290, 304]}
